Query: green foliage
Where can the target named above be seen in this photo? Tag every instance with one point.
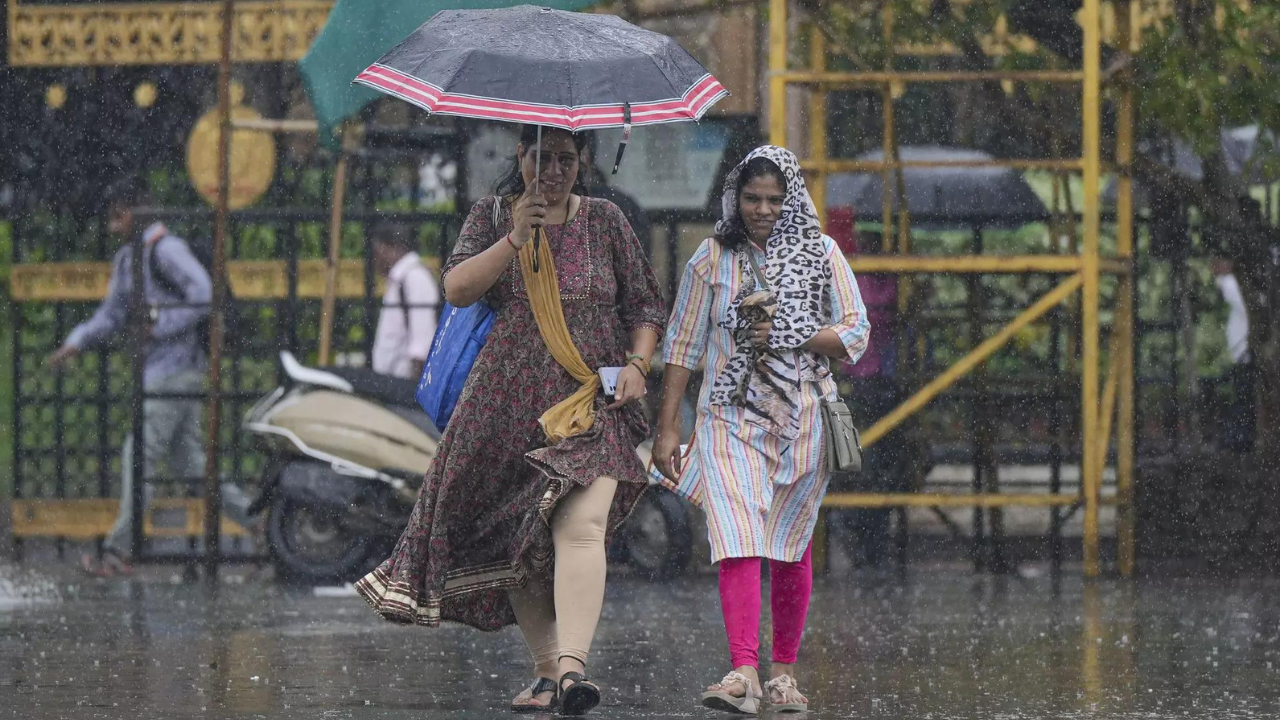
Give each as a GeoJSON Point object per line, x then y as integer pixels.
{"type": "Point", "coordinates": [1207, 65]}
{"type": "Point", "coordinates": [1220, 70]}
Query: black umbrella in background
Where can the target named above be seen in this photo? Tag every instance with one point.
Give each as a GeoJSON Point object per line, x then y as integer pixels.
{"type": "Point", "coordinates": [942, 197]}
{"type": "Point", "coordinates": [1246, 150]}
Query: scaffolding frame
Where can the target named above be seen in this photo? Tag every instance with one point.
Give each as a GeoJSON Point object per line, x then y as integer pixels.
{"type": "Point", "coordinates": [1080, 273]}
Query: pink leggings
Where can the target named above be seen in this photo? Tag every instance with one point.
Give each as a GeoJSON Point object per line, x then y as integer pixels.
{"type": "Point", "coordinates": [789, 587]}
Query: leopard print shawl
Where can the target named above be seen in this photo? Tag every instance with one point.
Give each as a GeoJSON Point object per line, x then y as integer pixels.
{"type": "Point", "coordinates": [766, 383]}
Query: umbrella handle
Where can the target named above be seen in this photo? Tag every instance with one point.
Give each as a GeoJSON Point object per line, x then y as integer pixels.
{"type": "Point", "coordinates": [537, 160]}
{"type": "Point", "coordinates": [626, 135]}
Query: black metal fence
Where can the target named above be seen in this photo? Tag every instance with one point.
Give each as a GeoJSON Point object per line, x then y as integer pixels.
{"type": "Point", "coordinates": [70, 426]}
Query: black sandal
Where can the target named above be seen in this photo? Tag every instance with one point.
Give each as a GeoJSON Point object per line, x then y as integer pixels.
{"type": "Point", "coordinates": [539, 686]}
{"type": "Point", "coordinates": [579, 697]}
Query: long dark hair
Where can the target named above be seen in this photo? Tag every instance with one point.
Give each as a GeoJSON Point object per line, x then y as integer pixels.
{"type": "Point", "coordinates": [735, 235]}
{"type": "Point", "coordinates": [512, 181]}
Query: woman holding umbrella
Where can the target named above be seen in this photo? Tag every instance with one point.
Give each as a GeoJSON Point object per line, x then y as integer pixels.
{"type": "Point", "coordinates": [764, 303]}
{"type": "Point", "coordinates": [511, 523]}
{"type": "Point", "coordinates": [513, 515]}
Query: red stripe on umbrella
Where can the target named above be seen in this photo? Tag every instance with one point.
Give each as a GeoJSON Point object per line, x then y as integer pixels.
{"type": "Point", "coordinates": [692, 106]}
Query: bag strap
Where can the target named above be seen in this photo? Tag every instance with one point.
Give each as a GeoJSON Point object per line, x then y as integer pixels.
{"type": "Point", "coordinates": [157, 272]}
{"type": "Point", "coordinates": [761, 283]}
{"type": "Point", "coordinates": [404, 308]}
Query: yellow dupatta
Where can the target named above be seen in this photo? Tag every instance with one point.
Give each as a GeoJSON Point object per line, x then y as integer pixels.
{"type": "Point", "coordinates": [576, 413]}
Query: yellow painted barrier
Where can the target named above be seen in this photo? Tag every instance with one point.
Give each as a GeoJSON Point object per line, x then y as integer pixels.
{"type": "Point", "coordinates": [92, 518]}
{"type": "Point", "coordinates": [250, 280]}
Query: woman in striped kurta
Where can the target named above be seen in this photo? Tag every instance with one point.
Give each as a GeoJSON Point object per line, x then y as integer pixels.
{"type": "Point", "coordinates": [757, 464]}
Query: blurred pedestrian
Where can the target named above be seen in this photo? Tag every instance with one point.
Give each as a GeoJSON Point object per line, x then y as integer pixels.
{"type": "Point", "coordinates": [1240, 415]}
{"type": "Point", "coordinates": [512, 519]}
{"type": "Point", "coordinates": [875, 392]}
{"type": "Point", "coordinates": [410, 305]}
{"type": "Point", "coordinates": [757, 464]}
{"type": "Point", "coordinates": [598, 185]}
{"type": "Point", "coordinates": [177, 290]}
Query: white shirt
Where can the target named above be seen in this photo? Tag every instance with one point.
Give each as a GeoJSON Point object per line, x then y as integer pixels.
{"type": "Point", "coordinates": [1238, 320]}
{"type": "Point", "coordinates": [396, 349]}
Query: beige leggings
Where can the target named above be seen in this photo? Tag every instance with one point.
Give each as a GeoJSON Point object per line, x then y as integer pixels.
{"type": "Point", "coordinates": [558, 619]}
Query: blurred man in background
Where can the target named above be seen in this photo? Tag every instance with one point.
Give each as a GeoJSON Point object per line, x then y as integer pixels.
{"type": "Point", "coordinates": [177, 291]}
{"type": "Point", "coordinates": [1240, 416]}
{"type": "Point", "coordinates": [598, 186]}
{"type": "Point", "coordinates": [410, 305]}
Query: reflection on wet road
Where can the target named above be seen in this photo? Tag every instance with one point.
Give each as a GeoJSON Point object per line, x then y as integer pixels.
{"type": "Point", "coordinates": [937, 643]}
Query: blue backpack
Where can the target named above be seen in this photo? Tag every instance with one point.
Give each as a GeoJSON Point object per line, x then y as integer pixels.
{"type": "Point", "coordinates": [459, 337]}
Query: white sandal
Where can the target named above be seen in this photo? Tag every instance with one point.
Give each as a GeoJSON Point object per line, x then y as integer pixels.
{"type": "Point", "coordinates": [748, 704]}
{"type": "Point", "coordinates": [783, 686]}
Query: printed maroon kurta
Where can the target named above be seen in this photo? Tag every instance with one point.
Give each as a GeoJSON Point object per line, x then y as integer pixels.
{"type": "Point", "coordinates": [481, 523]}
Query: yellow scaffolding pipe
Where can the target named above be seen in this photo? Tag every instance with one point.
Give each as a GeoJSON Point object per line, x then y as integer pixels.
{"type": "Point", "coordinates": [818, 124]}
{"type": "Point", "coordinates": [1091, 481]}
{"type": "Point", "coordinates": [964, 263]}
{"type": "Point", "coordinates": [889, 143]}
{"type": "Point", "coordinates": [777, 65]}
{"type": "Point", "coordinates": [881, 165]}
{"type": "Point", "coordinates": [1125, 515]}
{"type": "Point", "coordinates": [859, 79]}
{"type": "Point", "coordinates": [975, 358]}
{"type": "Point", "coordinates": [1084, 266]}
{"type": "Point", "coordinates": [1107, 408]}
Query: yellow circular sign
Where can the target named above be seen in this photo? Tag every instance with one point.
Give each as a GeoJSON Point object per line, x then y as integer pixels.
{"type": "Point", "coordinates": [144, 96]}
{"type": "Point", "coordinates": [56, 96]}
{"type": "Point", "coordinates": [253, 159]}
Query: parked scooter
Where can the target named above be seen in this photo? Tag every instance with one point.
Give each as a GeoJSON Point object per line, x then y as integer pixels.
{"type": "Point", "coordinates": [347, 452]}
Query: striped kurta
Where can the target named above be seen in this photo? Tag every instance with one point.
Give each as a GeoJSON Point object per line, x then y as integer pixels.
{"type": "Point", "coordinates": [760, 493]}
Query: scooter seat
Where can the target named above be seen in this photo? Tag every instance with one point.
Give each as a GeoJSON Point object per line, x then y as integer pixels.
{"type": "Point", "coordinates": [383, 388]}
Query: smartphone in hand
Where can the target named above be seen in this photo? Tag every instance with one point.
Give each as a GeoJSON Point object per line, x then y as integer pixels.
{"type": "Point", "coordinates": [609, 380]}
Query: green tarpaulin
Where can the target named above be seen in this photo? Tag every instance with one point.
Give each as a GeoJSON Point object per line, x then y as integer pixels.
{"type": "Point", "coordinates": [357, 33]}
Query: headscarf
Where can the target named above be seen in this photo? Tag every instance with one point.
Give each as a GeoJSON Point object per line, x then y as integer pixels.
{"type": "Point", "coordinates": [766, 381]}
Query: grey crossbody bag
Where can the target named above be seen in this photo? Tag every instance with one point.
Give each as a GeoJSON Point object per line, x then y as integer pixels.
{"type": "Point", "coordinates": [843, 444]}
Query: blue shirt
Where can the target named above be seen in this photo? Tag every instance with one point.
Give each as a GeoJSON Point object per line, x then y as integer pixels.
{"type": "Point", "coordinates": [175, 345]}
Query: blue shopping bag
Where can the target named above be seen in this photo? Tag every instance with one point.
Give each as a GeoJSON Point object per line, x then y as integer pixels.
{"type": "Point", "coordinates": [457, 342]}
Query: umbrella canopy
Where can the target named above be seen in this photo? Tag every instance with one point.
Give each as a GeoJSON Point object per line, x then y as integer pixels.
{"type": "Point", "coordinates": [942, 197]}
{"type": "Point", "coordinates": [528, 64]}
{"type": "Point", "coordinates": [354, 35]}
{"type": "Point", "coordinates": [1246, 150]}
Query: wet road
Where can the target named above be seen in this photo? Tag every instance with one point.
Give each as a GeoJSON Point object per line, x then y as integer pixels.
{"type": "Point", "coordinates": [938, 643]}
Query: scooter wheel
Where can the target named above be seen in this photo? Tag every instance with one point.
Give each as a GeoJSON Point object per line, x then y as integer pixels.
{"type": "Point", "coordinates": [311, 545]}
{"type": "Point", "coordinates": [658, 536]}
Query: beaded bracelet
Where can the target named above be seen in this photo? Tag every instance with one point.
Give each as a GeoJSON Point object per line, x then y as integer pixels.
{"type": "Point", "coordinates": [641, 363]}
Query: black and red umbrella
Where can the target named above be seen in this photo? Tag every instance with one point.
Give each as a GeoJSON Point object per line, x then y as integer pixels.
{"type": "Point", "coordinates": [526, 64]}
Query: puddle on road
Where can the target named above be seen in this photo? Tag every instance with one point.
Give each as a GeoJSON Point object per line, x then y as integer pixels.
{"type": "Point", "coordinates": [937, 644]}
